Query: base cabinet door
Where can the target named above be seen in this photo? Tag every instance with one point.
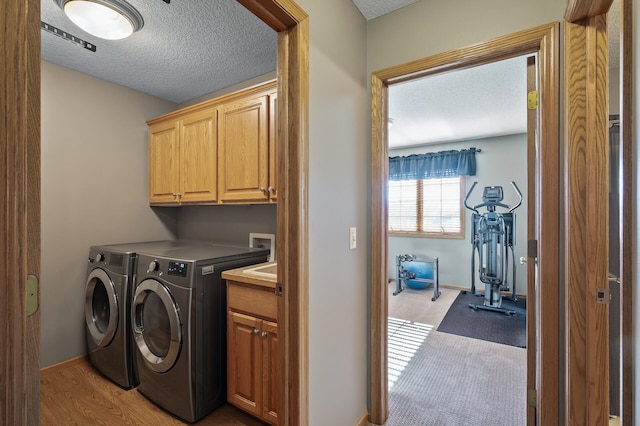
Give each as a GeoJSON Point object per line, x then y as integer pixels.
{"type": "Point", "coordinates": [252, 351]}
{"type": "Point", "coordinates": [244, 358]}
{"type": "Point", "coordinates": [270, 372]}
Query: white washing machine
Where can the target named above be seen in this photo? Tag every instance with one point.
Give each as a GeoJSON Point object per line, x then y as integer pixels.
{"type": "Point", "coordinates": [179, 326]}
{"type": "Point", "coordinates": [108, 292]}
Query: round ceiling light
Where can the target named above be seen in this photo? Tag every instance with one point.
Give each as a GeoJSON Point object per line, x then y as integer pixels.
{"type": "Point", "coordinates": [107, 19]}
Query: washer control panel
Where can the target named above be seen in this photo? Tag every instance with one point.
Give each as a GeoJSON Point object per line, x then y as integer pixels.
{"type": "Point", "coordinates": [178, 269]}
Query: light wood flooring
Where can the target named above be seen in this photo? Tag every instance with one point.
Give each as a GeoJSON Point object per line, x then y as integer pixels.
{"type": "Point", "coordinates": [76, 394]}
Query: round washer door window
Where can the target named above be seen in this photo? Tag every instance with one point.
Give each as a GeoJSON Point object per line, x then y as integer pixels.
{"type": "Point", "coordinates": [101, 307]}
{"type": "Point", "coordinates": [156, 325]}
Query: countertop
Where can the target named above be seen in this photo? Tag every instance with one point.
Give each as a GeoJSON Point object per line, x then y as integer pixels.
{"type": "Point", "coordinates": [242, 276]}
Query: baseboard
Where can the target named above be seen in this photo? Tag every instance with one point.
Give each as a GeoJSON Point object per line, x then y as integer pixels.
{"type": "Point", "coordinates": [64, 364]}
{"type": "Point", "coordinates": [364, 420]}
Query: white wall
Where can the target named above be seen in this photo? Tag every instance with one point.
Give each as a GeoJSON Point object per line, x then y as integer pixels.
{"type": "Point", "coordinates": [94, 191]}
{"type": "Point", "coordinates": [502, 160]}
{"type": "Point", "coordinates": [338, 169]}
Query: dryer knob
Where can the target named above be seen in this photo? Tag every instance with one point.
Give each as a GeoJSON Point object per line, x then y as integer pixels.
{"type": "Point", "coordinates": [99, 257]}
{"type": "Point", "coordinates": [153, 266]}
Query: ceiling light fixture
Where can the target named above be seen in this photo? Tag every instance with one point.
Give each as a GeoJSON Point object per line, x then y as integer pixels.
{"type": "Point", "coordinates": [107, 19]}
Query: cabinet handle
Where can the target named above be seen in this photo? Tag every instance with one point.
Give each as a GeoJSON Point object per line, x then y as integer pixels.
{"type": "Point", "coordinates": [264, 334]}
{"type": "Point", "coordinates": [271, 189]}
{"type": "Point", "coordinates": [262, 189]}
{"type": "Point", "coordinates": [256, 331]}
{"type": "Point", "coordinates": [175, 195]}
{"type": "Point", "coordinates": [179, 194]}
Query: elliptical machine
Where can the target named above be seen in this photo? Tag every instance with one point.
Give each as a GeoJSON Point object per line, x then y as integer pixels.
{"type": "Point", "coordinates": [493, 239]}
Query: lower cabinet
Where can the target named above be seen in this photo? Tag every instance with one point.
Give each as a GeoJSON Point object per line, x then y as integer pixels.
{"type": "Point", "coordinates": [252, 353]}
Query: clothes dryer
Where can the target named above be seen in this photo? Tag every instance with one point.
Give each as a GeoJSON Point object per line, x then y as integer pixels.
{"type": "Point", "coordinates": [179, 326]}
{"type": "Point", "coordinates": [108, 292]}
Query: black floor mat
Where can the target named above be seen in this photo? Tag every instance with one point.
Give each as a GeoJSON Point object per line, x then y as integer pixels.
{"type": "Point", "coordinates": [487, 325]}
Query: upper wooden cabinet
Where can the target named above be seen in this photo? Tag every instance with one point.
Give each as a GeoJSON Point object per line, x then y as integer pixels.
{"type": "Point", "coordinates": [273, 137]}
{"type": "Point", "coordinates": [219, 151]}
{"type": "Point", "coordinates": [243, 156]}
{"type": "Point", "coordinates": [182, 159]}
{"type": "Point", "coordinates": [164, 157]}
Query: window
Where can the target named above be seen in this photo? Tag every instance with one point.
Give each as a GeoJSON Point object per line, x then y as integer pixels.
{"type": "Point", "coordinates": [427, 207]}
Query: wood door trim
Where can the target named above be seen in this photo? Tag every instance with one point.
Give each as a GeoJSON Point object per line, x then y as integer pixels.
{"type": "Point", "coordinates": [20, 204]}
{"type": "Point", "coordinates": [531, 235]}
{"type": "Point", "coordinates": [542, 40]}
{"type": "Point", "coordinates": [587, 224]}
{"type": "Point", "coordinates": [292, 143]}
{"type": "Point", "coordinates": [577, 10]}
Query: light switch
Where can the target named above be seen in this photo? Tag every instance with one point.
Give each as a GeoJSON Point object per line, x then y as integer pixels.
{"type": "Point", "coordinates": [352, 238]}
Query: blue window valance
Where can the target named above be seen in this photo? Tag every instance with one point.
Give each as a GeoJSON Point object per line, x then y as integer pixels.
{"type": "Point", "coordinates": [433, 165]}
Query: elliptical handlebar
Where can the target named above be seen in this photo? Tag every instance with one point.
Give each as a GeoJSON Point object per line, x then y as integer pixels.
{"type": "Point", "coordinates": [519, 195]}
{"type": "Point", "coordinates": [467, 197]}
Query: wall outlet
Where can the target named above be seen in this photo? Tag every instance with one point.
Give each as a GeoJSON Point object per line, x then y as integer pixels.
{"type": "Point", "coordinates": [352, 238]}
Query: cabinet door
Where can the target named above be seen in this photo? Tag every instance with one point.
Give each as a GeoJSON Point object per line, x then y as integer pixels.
{"type": "Point", "coordinates": [244, 357]}
{"type": "Point", "coordinates": [164, 158]}
{"type": "Point", "coordinates": [243, 158]}
{"type": "Point", "coordinates": [270, 372]}
{"type": "Point", "coordinates": [198, 156]}
{"type": "Point", "coordinates": [273, 135]}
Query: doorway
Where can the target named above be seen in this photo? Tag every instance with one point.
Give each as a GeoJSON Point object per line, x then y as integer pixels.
{"type": "Point", "coordinates": [21, 248]}
{"type": "Point", "coordinates": [441, 349]}
{"type": "Point", "coordinates": [542, 253]}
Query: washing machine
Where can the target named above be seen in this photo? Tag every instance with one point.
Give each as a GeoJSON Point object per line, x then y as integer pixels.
{"type": "Point", "coordinates": [108, 292]}
{"type": "Point", "coordinates": [179, 326]}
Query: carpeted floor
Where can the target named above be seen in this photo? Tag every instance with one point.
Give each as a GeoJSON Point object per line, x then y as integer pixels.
{"type": "Point", "coordinates": [442, 379]}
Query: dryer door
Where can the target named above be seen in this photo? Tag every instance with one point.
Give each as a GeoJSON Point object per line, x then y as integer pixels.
{"type": "Point", "coordinates": [101, 307]}
{"type": "Point", "coordinates": [157, 327]}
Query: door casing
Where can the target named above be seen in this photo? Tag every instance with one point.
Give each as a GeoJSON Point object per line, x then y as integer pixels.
{"type": "Point", "coordinates": [20, 221]}
{"type": "Point", "coordinates": [543, 41]}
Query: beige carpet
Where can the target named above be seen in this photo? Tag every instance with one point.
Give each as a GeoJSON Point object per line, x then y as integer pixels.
{"type": "Point", "coordinates": [443, 379]}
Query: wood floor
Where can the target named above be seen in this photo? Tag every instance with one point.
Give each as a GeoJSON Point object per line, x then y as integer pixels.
{"type": "Point", "coordinates": [76, 394]}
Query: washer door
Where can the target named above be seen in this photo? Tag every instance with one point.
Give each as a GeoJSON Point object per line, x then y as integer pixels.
{"type": "Point", "coordinates": [101, 307]}
{"type": "Point", "coordinates": [157, 327]}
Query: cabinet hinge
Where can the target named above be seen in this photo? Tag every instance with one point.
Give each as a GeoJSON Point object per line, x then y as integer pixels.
{"type": "Point", "coordinates": [532, 99]}
{"type": "Point", "coordinates": [532, 398]}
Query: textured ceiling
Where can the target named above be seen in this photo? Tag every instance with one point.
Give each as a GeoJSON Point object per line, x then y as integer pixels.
{"type": "Point", "coordinates": [484, 101]}
{"type": "Point", "coordinates": [185, 49]}
{"type": "Point", "coordinates": [189, 48]}
{"type": "Point", "coordinates": [371, 9]}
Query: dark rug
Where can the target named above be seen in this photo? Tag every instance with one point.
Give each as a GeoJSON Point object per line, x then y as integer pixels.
{"type": "Point", "coordinates": [487, 325]}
